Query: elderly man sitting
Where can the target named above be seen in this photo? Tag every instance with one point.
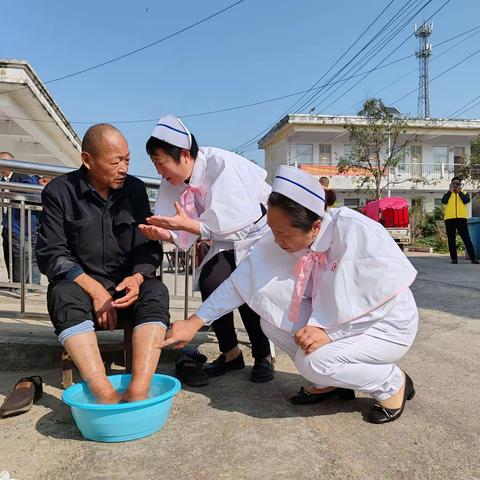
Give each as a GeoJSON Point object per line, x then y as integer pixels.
{"type": "Point", "coordinates": [99, 264]}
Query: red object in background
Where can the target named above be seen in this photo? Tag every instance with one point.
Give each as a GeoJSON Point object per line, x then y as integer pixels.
{"type": "Point", "coordinates": [390, 212]}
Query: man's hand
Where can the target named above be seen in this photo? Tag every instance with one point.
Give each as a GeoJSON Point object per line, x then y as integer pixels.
{"type": "Point", "coordinates": [104, 309]}
{"type": "Point", "coordinates": [311, 338]}
{"type": "Point", "coordinates": [181, 332]}
{"type": "Point", "coordinates": [131, 285]}
{"type": "Point", "coordinates": [181, 221]}
{"type": "Point", "coordinates": [152, 232]}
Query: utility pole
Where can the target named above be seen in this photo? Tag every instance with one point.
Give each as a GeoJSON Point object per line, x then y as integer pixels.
{"type": "Point", "coordinates": [423, 33]}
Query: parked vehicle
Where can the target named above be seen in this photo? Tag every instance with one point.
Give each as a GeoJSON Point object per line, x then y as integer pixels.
{"type": "Point", "coordinates": [392, 213]}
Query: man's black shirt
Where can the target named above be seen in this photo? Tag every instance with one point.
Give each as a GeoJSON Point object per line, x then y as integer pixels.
{"type": "Point", "coordinates": [81, 232]}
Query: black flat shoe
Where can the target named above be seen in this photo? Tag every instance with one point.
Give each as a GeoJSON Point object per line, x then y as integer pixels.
{"type": "Point", "coordinates": [305, 398]}
{"type": "Point", "coordinates": [220, 366]}
{"type": "Point", "coordinates": [262, 371]}
{"type": "Point", "coordinates": [379, 414]}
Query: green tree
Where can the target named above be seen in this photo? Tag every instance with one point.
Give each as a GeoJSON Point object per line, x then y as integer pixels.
{"type": "Point", "coordinates": [474, 160]}
{"type": "Point", "coordinates": [376, 148]}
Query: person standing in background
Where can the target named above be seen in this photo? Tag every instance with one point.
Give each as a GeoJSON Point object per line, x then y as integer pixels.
{"type": "Point", "coordinates": [324, 182]}
{"type": "Point", "coordinates": [456, 214]}
{"type": "Point", "coordinates": [12, 231]}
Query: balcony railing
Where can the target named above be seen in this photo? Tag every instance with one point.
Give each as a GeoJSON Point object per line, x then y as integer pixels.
{"type": "Point", "coordinates": [417, 173]}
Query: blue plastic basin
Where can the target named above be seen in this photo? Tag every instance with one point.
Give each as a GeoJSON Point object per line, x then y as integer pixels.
{"type": "Point", "coordinates": [122, 422]}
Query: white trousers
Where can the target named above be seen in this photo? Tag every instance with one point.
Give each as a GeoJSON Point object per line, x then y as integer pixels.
{"type": "Point", "coordinates": [361, 355]}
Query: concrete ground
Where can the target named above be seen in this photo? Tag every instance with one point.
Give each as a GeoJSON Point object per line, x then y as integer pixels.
{"type": "Point", "coordinates": [234, 429]}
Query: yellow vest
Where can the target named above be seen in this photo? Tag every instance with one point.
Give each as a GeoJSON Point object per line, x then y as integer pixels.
{"type": "Point", "coordinates": [455, 208]}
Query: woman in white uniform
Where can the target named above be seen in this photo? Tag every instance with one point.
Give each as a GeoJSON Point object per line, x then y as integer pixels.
{"type": "Point", "coordinates": [332, 290]}
{"type": "Point", "coordinates": [215, 195]}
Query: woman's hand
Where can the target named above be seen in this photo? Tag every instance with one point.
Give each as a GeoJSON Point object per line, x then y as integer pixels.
{"type": "Point", "coordinates": [181, 332]}
{"type": "Point", "coordinates": [181, 221]}
{"type": "Point", "coordinates": [311, 338]}
{"type": "Point", "coordinates": [155, 233]}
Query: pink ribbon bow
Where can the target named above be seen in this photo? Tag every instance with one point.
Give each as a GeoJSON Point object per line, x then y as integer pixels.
{"type": "Point", "coordinates": [187, 199]}
{"type": "Point", "coordinates": [305, 266]}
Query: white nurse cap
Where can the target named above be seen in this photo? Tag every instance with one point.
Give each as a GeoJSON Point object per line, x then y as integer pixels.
{"type": "Point", "coordinates": [171, 129]}
{"type": "Point", "coordinates": [301, 187]}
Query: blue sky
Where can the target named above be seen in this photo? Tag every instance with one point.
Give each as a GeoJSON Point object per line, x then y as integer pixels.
{"type": "Point", "coordinates": [258, 50]}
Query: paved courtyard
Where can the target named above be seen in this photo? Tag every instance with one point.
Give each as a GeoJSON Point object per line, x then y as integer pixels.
{"type": "Point", "coordinates": [234, 429]}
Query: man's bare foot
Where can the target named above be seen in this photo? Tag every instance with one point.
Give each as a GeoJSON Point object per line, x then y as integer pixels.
{"type": "Point", "coordinates": [134, 396]}
{"type": "Point", "coordinates": [103, 390]}
{"type": "Point", "coordinates": [113, 397]}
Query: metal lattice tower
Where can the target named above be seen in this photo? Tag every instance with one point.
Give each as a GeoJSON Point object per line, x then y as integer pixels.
{"type": "Point", "coordinates": [423, 54]}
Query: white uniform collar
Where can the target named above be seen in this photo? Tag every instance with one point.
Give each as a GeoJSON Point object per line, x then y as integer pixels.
{"type": "Point", "coordinates": [197, 177]}
{"type": "Point", "coordinates": [324, 238]}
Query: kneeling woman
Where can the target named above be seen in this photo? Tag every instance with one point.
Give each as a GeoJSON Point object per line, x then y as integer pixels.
{"type": "Point", "coordinates": [332, 290]}
{"type": "Point", "coordinates": [221, 197]}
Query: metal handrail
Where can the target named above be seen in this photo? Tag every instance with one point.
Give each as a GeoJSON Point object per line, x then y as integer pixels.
{"type": "Point", "coordinates": [31, 168]}
{"type": "Point", "coordinates": [26, 198]}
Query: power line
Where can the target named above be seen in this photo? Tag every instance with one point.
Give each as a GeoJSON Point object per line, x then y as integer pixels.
{"type": "Point", "coordinates": [440, 74]}
{"type": "Point", "coordinates": [386, 35]}
{"type": "Point", "coordinates": [476, 31]}
{"type": "Point", "coordinates": [211, 112]}
{"type": "Point", "coordinates": [254, 139]}
{"type": "Point", "coordinates": [258, 135]}
{"type": "Point", "coordinates": [137, 50]}
{"type": "Point", "coordinates": [346, 51]}
{"type": "Point", "coordinates": [383, 60]}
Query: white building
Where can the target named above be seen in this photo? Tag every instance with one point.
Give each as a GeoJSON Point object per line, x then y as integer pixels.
{"type": "Point", "coordinates": [32, 126]}
{"type": "Point", "coordinates": [315, 143]}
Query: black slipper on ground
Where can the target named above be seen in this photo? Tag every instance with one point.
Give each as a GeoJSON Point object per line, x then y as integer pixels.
{"type": "Point", "coordinates": [306, 398]}
{"type": "Point", "coordinates": [192, 352]}
{"type": "Point", "coordinates": [20, 400]}
{"type": "Point", "coordinates": [190, 372]}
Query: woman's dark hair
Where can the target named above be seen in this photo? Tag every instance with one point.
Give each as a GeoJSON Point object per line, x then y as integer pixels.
{"type": "Point", "coordinates": [330, 197]}
{"type": "Point", "coordinates": [154, 144]}
{"type": "Point", "coordinates": [300, 217]}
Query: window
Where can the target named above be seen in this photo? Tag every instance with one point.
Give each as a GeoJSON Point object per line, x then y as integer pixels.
{"type": "Point", "coordinates": [347, 149]}
{"type": "Point", "coordinates": [459, 161]}
{"type": "Point", "coordinates": [304, 153]}
{"type": "Point", "coordinates": [459, 152]}
{"type": "Point", "coordinates": [325, 152]}
{"type": "Point", "coordinates": [440, 155]}
{"type": "Point", "coordinates": [351, 202]}
{"type": "Point", "coordinates": [372, 150]}
{"type": "Point", "coordinates": [416, 153]}
{"type": "Point", "coordinates": [417, 202]}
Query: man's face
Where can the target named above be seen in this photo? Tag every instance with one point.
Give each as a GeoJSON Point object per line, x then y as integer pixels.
{"type": "Point", "coordinates": [44, 180]}
{"type": "Point", "coordinates": [5, 172]}
{"type": "Point", "coordinates": [109, 167]}
{"type": "Point", "coordinates": [456, 185]}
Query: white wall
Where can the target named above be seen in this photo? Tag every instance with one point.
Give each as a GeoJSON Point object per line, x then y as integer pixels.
{"type": "Point", "coordinates": [278, 153]}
